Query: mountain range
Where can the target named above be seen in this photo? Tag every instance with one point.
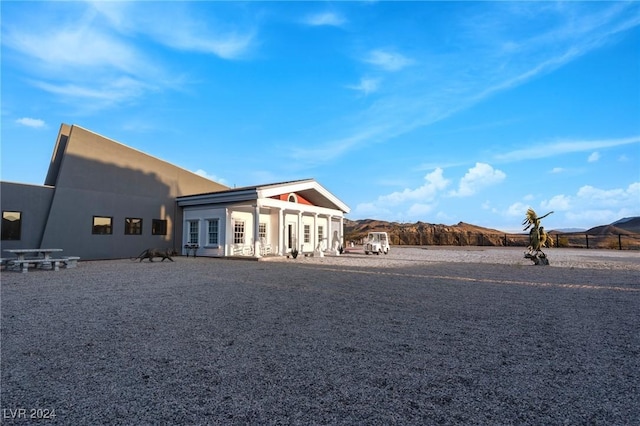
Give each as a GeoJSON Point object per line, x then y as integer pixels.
{"type": "Point", "coordinates": [421, 233]}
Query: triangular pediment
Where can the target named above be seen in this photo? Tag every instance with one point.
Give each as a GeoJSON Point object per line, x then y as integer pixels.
{"type": "Point", "coordinates": [307, 192]}
{"type": "Point", "coordinates": [304, 192]}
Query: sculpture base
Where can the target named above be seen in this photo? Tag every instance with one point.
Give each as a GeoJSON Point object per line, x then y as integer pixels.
{"type": "Point", "coordinates": [537, 258]}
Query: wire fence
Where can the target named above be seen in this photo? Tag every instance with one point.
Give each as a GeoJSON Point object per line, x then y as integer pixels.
{"type": "Point", "coordinates": [572, 240]}
{"type": "Point", "coordinates": [586, 241]}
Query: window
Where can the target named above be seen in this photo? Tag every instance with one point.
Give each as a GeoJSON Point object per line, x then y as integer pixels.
{"type": "Point", "coordinates": [11, 225]}
{"type": "Point", "coordinates": [292, 198]}
{"type": "Point", "coordinates": [193, 232]}
{"type": "Point", "coordinates": [159, 227]}
{"type": "Point", "coordinates": [238, 232]}
{"type": "Point", "coordinates": [262, 230]}
{"type": "Point", "coordinates": [102, 225]}
{"type": "Point", "coordinates": [212, 231]}
{"type": "Point", "coordinates": [307, 233]}
{"type": "Point", "coordinates": [320, 233]}
{"type": "Point", "coordinates": [132, 226]}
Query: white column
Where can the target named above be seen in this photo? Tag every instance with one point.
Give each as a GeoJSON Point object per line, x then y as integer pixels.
{"type": "Point", "coordinates": [315, 231]}
{"type": "Point", "coordinates": [329, 233]}
{"type": "Point", "coordinates": [281, 231]}
{"type": "Point", "coordinates": [228, 238]}
{"type": "Point", "coordinates": [256, 229]}
{"type": "Point", "coordinates": [300, 238]}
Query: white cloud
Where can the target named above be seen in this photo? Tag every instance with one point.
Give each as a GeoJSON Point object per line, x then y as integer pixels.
{"type": "Point", "coordinates": [591, 205]}
{"type": "Point", "coordinates": [557, 170]}
{"type": "Point", "coordinates": [92, 53]}
{"type": "Point", "coordinates": [325, 19]}
{"type": "Point", "coordinates": [517, 209]}
{"type": "Point", "coordinates": [435, 182]}
{"type": "Point", "coordinates": [557, 203]}
{"type": "Point", "coordinates": [388, 61]}
{"type": "Point", "coordinates": [61, 49]}
{"type": "Point", "coordinates": [206, 175]}
{"type": "Point", "coordinates": [173, 25]}
{"type": "Point", "coordinates": [610, 197]}
{"type": "Point", "coordinates": [31, 122]}
{"type": "Point", "coordinates": [101, 93]}
{"type": "Point", "coordinates": [420, 210]}
{"type": "Point", "coordinates": [447, 87]}
{"type": "Point", "coordinates": [478, 177]}
{"type": "Point", "coordinates": [586, 218]}
{"type": "Point", "coordinates": [564, 147]}
{"type": "Point", "coordinates": [229, 46]}
{"type": "Point", "coordinates": [366, 85]}
{"type": "Point", "coordinates": [595, 156]}
{"type": "Point", "coordinates": [370, 210]}
{"type": "Point", "coordinates": [409, 204]}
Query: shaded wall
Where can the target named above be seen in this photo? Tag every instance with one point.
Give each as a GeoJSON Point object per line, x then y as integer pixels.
{"type": "Point", "coordinates": [96, 176]}
{"type": "Point", "coordinates": [33, 202]}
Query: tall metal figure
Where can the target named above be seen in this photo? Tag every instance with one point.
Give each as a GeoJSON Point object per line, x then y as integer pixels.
{"type": "Point", "coordinates": [538, 238]}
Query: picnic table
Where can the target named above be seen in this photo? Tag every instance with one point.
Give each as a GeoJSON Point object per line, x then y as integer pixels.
{"type": "Point", "coordinates": [41, 257]}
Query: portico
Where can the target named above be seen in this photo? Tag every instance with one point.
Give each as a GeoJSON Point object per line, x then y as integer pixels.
{"type": "Point", "coordinates": [274, 219]}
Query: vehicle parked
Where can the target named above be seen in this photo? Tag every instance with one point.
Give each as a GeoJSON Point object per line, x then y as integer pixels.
{"type": "Point", "coordinates": [376, 242]}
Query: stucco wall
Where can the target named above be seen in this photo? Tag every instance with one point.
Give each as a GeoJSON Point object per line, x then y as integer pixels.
{"type": "Point", "coordinates": [96, 176]}
{"type": "Point", "coordinates": [33, 202]}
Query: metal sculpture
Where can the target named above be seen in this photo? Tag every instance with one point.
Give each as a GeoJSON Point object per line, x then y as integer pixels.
{"type": "Point", "coordinates": [538, 238]}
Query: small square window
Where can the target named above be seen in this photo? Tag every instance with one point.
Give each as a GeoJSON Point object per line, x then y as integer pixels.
{"type": "Point", "coordinates": [159, 227]}
{"type": "Point", "coordinates": [102, 225]}
{"type": "Point", "coordinates": [11, 225]}
{"type": "Point", "coordinates": [238, 232]}
{"type": "Point", "coordinates": [212, 231]}
{"type": "Point", "coordinates": [307, 234]}
{"type": "Point", "coordinates": [133, 226]}
{"type": "Point", "coordinates": [194, 232]}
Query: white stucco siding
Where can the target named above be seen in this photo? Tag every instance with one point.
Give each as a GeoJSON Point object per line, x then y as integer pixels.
{"type": "Point", "coordinates": [208, 246]}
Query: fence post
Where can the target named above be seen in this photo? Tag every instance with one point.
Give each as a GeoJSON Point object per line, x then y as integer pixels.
{"type": "Point", "coordinates": [557, 240]}
{"type": "Point", "coordinates": [619, 242]}
{"type": "Point", "coordinates": [587, 235]}
{"type": "Point", "coordinates": [506, 242]}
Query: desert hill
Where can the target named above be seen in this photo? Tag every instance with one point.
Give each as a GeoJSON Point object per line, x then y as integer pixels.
{"type": "Point", "coordinates": [421, 233]}
{"type": "Point", "coordinates": [608, 230]}
{"type": "Point", "coordinates": [631, 224]}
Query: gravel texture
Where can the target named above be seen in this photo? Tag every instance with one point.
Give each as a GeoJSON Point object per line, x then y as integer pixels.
{"type": "Point", "coordinates": [420, 336]}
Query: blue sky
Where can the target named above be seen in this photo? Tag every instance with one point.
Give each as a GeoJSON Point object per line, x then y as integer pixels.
{"type": "Point", "coordinates": [430, 111]}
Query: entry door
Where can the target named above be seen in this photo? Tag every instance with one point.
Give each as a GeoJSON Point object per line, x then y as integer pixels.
{"type": "Point", "coordinates": [291, 235]}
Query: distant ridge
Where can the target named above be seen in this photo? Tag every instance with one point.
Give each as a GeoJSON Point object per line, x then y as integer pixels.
{"type": "Point", "coordinates": [629, 223]}
{"type": "Point", "coordinates": [421, 233]}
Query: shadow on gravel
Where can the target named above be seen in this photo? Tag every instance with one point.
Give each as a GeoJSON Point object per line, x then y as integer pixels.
{"type": "Point", "coordinates": [205, 341]}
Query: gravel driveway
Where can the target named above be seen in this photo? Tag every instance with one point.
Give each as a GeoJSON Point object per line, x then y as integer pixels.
{"type": "Point", "coordinates": [436, 336]}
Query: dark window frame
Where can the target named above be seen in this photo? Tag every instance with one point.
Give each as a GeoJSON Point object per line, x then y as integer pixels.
{"type": "Point", "coordinates": [8, 227]}
{"type": "Point", "coordinates": [96, 229]}
{"type": "Point", "coordinates": [239, 232]}
{"type": "Point", "coordinates": [213, 235]}
{"type": "Point", "coordinates": [159, 227]}
{"type": "Point", "coordinates": [132, 228]}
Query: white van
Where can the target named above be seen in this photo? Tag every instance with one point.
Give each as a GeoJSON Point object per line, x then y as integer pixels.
{"type": "Point", "coordinates": [376, 242]}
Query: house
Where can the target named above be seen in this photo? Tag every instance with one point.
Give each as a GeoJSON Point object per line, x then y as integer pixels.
{"type": "Point", "coordinates": [277, 218]}
{"type": "Point", "coordinates": [104, 200]}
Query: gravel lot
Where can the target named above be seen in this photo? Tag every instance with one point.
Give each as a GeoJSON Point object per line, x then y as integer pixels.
{"type": "Point", "coordinates": [421, 336]}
